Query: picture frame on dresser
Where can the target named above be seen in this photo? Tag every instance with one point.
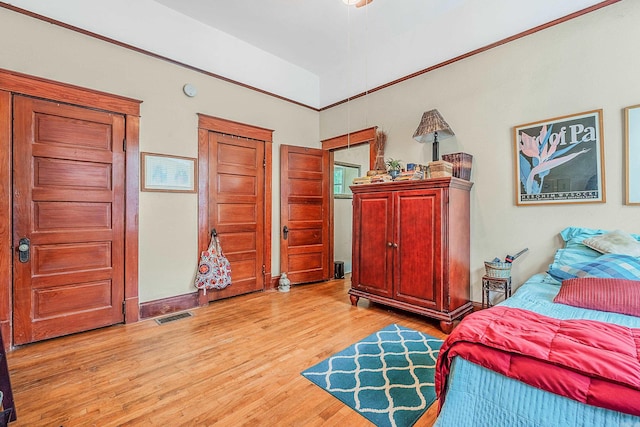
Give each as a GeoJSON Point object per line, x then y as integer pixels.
{"type": "Point", "coordinates": [632, 154]}
{"type": "Point", "coordinates": [560, 160]}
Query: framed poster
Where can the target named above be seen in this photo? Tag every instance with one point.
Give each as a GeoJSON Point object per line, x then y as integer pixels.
{"type": "Point", "coordinates": [161, 172]}
{"type": "Point", "coordinates": [560, 160]}
{"type": "Point", "coordinates": [632, 154]}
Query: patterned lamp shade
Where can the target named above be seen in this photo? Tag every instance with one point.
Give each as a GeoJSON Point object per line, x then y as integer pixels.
{"type": "Point", "coordinates": [431, 127]}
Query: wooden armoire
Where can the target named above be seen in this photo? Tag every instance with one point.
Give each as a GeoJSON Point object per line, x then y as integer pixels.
{"type": "Point", "coordinates": [411, 247]}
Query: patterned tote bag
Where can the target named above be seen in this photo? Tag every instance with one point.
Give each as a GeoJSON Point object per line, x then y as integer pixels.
{"type": "Point", "coordinates": [214, 270]}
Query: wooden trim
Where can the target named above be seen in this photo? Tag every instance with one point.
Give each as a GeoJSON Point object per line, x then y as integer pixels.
{"type": "Point", "coordinates": [146, 52]}
{"type": "Point", "coordinates": [474, 52]}
{"type": "Point", "coordinates": [23, 84]}
{"type": "Point", "coordinates": [274, 282]}
{"type": "Point", "coordinates": [235, 82]}
{"type": "Point", "coordinates": [203, 198]}
{"type": "Point", "coordinates": [6, 241]}
{"type": "Point", "coordinates": [208, 124]}
{"type": "Point", "coordinates": [229, 127]}
{"type": "Point", "coordinates": [268, 206]}
{"type": "Point", "coordinates": [168, 305]}
{"type": "Point", "coordinates": [132, 204]}
{"type": "Point", "coordinates": [364, 136]}
{"type": "Point", "coordinates": [351, 139]}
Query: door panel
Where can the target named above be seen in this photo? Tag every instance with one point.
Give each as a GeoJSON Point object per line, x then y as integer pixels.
{"type": "Point", "coordinates": [69, 202]}
{"type": "Point", "coordinates": [304, 210]}
{"type": "Point", "coordinates": [373, 234]}
{"type": "Point", "coordinates": [236, 209]}
{"type": "Point", "coordinates": [418, 269]}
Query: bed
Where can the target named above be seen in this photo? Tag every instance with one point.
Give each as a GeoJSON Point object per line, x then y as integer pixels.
{"type": "Point", "coordinates": [471, 394]}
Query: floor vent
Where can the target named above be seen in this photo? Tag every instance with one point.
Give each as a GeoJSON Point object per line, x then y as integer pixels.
{"type": "Point", "coordinates": [173, 318]}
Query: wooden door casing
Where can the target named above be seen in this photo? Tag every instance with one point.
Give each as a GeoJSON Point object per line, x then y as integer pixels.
{"type": "Point", "coordinates": [14, 83]}
{"type": "Point", "coordinates": [69, 200]}
{"type": "Point", "coordinates": [305, 211]}
{"type": "Point", "coordinates": [236, 209]}
{"type": "Point", "coordinates": [208, 125]}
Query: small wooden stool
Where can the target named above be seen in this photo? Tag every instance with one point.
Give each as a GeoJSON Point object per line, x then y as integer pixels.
{"type": "Point", "coordinates": [495, 284]}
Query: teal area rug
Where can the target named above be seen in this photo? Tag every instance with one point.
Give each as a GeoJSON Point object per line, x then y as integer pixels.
{"type": "Point", "coordinates": [387, 377]}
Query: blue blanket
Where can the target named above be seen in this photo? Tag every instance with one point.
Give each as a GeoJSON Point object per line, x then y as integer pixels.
{"type": "Point", "coordinates": [479, 397]}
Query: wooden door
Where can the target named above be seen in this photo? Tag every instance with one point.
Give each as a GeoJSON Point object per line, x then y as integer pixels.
{"type": "Point", "coordinates": [237, 209]}
{"type": "Point", "coordinates": [373, 250]}
{"type": "Point", "coordinates": [68, 179]}
{"type": "Point", "coordinates": [418, 267]}
{"type": "Point", "coordinates": [304, 214]}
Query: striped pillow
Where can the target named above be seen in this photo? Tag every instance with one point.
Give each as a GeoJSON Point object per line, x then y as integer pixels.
{"type": "Point", "coordinates": [609, 265]}
{"type": "Point", "coordinates": [603, 294]}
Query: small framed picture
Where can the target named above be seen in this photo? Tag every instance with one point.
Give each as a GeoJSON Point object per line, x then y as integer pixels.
{"type": "Point", "coordinates": [161, 172]}
{"type": "Point", "coordinates": [560, 160]}
{"type": "Point", "coordinates": [632, 154]}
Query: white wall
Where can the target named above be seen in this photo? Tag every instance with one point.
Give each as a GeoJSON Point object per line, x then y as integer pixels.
{"type": "Point", "coordinates": [168, 125]}
{"type": "Point", "coordinates": [584, 64]}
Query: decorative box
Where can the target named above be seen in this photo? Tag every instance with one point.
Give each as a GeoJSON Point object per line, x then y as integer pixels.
{"type": "Point", "coordinates": [461, 164]}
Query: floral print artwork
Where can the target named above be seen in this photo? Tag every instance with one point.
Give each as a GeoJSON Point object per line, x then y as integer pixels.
{"type": "Point", "coordinates": [540, 154]}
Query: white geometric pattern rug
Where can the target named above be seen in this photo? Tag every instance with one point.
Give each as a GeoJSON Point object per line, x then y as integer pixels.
{"type": "Point", "coordinates": [387, 377]}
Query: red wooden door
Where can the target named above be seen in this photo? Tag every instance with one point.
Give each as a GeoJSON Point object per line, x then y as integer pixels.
{"type": "Point", "coordinates": [373, 240]}
{"type": "Point", "coordinates": [236, 209]}
{"type": "Point", "coordinates": [68, 202]}
{"type": "Point", "coordinates": [304, 211]}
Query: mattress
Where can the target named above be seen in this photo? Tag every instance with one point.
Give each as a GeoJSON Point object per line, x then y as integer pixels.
{"type": "Point", "coordinates": [477, 396]}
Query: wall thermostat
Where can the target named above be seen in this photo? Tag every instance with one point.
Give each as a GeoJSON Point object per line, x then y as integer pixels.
{"type": "Point", "coordinates": [189, 90]}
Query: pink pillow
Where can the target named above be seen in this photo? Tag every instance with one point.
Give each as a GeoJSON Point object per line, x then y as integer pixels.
{"type": "Point", "coordinates": [604, 294]}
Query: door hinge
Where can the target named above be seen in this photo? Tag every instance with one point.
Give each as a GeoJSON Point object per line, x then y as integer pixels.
{"type": "Point", "coordinates": [264, 162]}
{"type": "Point", "coordinates": [264, 269]}
{"type": "Point", "coordinates": [124, 145]}
{"type": "Point", "coordinates": [124, 307]}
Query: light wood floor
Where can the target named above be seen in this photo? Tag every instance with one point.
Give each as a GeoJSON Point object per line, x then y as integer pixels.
{"type": "Point", "coordinates": [236, 362]}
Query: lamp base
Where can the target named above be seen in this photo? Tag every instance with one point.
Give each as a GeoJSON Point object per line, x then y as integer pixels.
{"type": "Point", "coordinates": [440, 169]}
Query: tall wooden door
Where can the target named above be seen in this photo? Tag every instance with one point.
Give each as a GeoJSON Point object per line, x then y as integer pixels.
{"type": "Point", "coordinates": [305, 253]}
{"type": "Point", "coordinates": [236, 209]}
{"type": "Point", "coordinates": [68, 219]}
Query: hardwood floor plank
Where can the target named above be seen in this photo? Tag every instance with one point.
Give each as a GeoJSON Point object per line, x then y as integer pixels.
{"type": "Point", "coordinates": [235, 362]}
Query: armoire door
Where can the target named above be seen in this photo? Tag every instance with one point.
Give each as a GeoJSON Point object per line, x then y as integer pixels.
{"type": "Point", "coordinates": [68, 219]}
{"type": "Point", "coordinates": [418, 273]}
{"type": "Point", "coordinates": [373, 244]}
{"type": "Point", "coordinates": [236, 209]}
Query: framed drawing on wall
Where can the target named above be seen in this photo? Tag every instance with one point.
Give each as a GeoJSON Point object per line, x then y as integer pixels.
{"type": "Point", "coordinates": [161, 172]}
{"type": "Point", "coordinates": [560, 160]}
{"type": "Point", "coordinates": [632, 154]}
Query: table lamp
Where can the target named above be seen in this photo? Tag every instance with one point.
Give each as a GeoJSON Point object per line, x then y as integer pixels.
{"type": "Point", "coordinates": [430, 128]}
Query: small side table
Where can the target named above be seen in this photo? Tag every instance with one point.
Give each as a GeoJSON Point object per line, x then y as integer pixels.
{"type": "Point", "coordinates": [495, 284]}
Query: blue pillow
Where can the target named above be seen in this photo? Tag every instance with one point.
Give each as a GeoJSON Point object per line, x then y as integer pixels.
{"type": "Point", "coordinates": [573, 236]}
{"type": "Point", "coordinates": [574, 250]}
{"type": "Point", "coordinates": [609, 265]}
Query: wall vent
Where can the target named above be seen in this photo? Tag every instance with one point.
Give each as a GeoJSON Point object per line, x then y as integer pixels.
{"type": "Point", "coordinates": [173, 318]}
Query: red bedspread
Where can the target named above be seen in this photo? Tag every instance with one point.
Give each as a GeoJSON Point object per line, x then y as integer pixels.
{"type": "Point", "coordinates": [592, 362]}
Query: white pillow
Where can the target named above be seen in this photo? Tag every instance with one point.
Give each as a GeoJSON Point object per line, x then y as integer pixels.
{"type": "Point", "coordinates": [615, 242]}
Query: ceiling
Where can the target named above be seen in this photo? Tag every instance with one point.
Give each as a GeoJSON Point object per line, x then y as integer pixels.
{"type": "Point", "coordinates": [315, 52]}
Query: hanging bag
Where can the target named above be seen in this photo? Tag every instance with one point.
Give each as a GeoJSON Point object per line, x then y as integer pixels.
{"type": "Point", "coordinates": [214, 270]}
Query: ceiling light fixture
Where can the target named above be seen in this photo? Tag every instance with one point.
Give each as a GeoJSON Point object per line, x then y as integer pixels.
{"type": "Point", "coordinates": [357, 3]}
